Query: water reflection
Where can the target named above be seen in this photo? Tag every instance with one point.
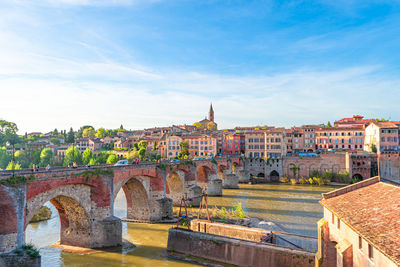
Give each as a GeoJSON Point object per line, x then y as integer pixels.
{"type": "Point", "coordinates": [296, 208]}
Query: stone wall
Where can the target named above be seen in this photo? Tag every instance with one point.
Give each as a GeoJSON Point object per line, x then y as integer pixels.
{"type": "Point", "coordinates": [15, 260]}
{"type": "Point", "coordinates": [234, 251]}
{"type": "Point", "coordinates": [255, 234]}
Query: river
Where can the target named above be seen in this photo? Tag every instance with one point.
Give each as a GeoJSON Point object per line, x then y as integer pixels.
{"type": "Point", "coordinates": [294, 207]}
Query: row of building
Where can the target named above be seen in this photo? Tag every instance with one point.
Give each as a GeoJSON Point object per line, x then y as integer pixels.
{"type": "Point", "coordinates": [349, 134]}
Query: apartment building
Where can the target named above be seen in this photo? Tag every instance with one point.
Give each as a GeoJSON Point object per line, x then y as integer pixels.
{"type": "Point", "coordinates": [255, 144]}
{"type": "Point", "coordinates": [340, 138]}
{"type": "Point", "coordinates": [294, 140]}
{"type": "Point", "coordinates": [265, 143]}
{"type": "Point", "coordinates": [309, 137]}
{"type": "Point", "coordinates": [233, 144]}
{"type": "Point", "coordinates": [360, 226]}
{"type": "Point", "coordinates": [383, 135]}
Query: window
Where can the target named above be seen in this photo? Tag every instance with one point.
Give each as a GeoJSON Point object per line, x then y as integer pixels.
{"type": "Point", "coordinates": [338, 223]}
{"type": "Point", "coordinates": [359, 242]}
{"type": "Point", "coordinates": [333, 218]}
{"type": "Point", "coordinates": [370, 252]}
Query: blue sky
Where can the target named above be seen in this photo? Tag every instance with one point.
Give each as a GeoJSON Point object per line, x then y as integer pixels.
{"type": "Point", "coordinates": [144, 63]}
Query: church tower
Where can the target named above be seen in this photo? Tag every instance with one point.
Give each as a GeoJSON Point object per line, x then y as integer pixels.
{"type": "Point", "coordinates": [211, 113]}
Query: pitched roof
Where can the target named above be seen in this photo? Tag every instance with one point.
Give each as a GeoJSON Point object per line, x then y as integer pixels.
{"type": "Point", "coordinates": [385, 124]}
{"type": "Point", "coordinates": [372, 209]}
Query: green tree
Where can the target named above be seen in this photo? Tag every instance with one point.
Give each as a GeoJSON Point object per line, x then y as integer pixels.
{"type": "Point", "coordinates": [132, 155]}
{"type": "Point", "coordinates": [112, 159]}
{"type": "Point", "coordinates": [142, 153]}
{"type": "Point", "coordinates": [71, 136]}
{"type": "Point", "coordinates": [373, 148]}
{"type": "Point", "coordinates": [154, 146]}
{"type": "Point", "coordinates": [46, 157]}
{"type": "Point", "coordinates": [55, 141]}
{"type": "Point", "coordinates": [198, 125]}
{"type": "Point", "coordinates": [121, 127]}
{"type": "Point", "coordinates": [101, 133]}
{"type": "Point", "coordinates": [184, 151]}
{"type": "Point", "coordinates": [101, 157]}
{"type": "Point", "coordinates": [88, 132]}
{"type": "Point", "coordinates": [87, 156]}
{"type": "Point", "coordinates": [4, 159]}
{"type": "Point", "coordinates": [55, 132]}
{"type": "Point", "coordinates": [329, 124]}
{"type": "Point", "coordinates": [13, 166]}
{"type": "Point", "coordinates": [143, 144]}
{"type": "Point", "coordinates": [72, 155]}
{"type": "Point", "coordinates": [94, 161]}
{"type": "Point", "coordinates": [136, 146]}
{"type": "Point", "coordinates": [21, 159]}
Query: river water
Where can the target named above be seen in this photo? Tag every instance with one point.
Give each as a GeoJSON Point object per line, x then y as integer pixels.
{"type": "Point", "coordinates": [295, 208]}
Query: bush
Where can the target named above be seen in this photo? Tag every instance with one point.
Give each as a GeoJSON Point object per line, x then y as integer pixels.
{"type": "Point", "coordinates": [284, 179]}
{"type": "Point", "coordinates": [293, 181]}
{"type": "Point", "coordinates": [310, 180]}
{"type": "Point", "coordinates": [318, 180]}
{"type": "Point", "coordinates": [315, 173]}
{"type": "Point", "coordinates": [303, 180]}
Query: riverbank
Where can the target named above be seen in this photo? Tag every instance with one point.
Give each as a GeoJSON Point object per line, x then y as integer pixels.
{"type": "Point", "coordinates": [43, 214]}
{"type": "Point", "coordinates": [294, 208]}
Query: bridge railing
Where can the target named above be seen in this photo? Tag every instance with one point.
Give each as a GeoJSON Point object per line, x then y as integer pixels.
{"type": "Point", "coordinates": [56, 169]}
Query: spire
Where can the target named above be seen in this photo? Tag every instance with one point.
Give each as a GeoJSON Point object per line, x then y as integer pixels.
{"type": "Point", "coordinates": [211, 113]}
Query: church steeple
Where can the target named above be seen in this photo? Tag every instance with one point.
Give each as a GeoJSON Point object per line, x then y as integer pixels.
{"type": "Point", "coordinates": [211, 113]}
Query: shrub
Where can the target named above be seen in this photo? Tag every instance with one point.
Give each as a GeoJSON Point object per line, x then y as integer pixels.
{"type": "Point", "coordinates": [310, 180]}
{"type": "Point", "coordinates": [293, 181]}
{"type": "Point", "coordinates": [284, 179]}
{"type": "Point", "coordinates": [303, 180]}
{"type": "Point", "coordinates": [318, 180]}
{"type": "Point", "coordinates": [315, 173]}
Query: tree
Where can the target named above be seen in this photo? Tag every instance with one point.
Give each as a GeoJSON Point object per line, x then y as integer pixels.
{"type": "Point", "coordinates": [329, 124]}
{"type": "Point", "coordinates": [143, 144]}
{"type": "Point", "coordinates": [132, 155]}
{"type": "Point", "coordinates": [101, 133]}
{"type": "Point", "coordinates": [72, 155]}
{"type": "Point", "coordinates": [71, 136]}
{"type": "Point", "coordinates": [136, 146]}
{"type": "Point", "coordinates": [154, 146]}
{"type": "Point", "coordinates": [121, 127]}
{"type": "Point", "coordinates": [80, 131]}
{"type": "Point", "coordinates": [55, 132]}
{"type": "Point", "coordinates": [88, 132]}
{"type": "Point", "coordinates": [55, 141]}
{"type": "Point", "coordinates": [373, 148]}
{"type": "Point", "coordinates": [101, 157]}
{"type": "Point", "coordinates": [184, 151]}
{"type": "Point", "coordinates": [87, 156]}
{"type": "Point", "coordinates": [46, 157]}
{"type": "Point", "coordinates": [112, 159]}
{"type": "Point", "coordinates": [13, 166]}
{"type": "Point", "coordinates": [211, 126]}
{"type": "Point", "coordinates": [4, 159]}
{"type": "Point", "coordinates": [142, 153]}
{"type": "Point", "coordinates": [198, 125]}
{"type": "Point", "coordinates": [21, 159]}
{"type": "Point", "coordinates": [93, 161]}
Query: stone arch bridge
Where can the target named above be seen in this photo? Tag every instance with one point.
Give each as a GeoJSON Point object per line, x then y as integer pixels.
{"type": "Point", "coordinates": [84, 197]}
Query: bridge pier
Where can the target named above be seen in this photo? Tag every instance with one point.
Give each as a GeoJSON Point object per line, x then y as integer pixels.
{"type": "Point", "coordinates": [244, 175]}
{"type": "Point", "coordinates": [214, 186]}
{"type": "Point", "coordinates": [161, 210]}
{"type": "Point", "coordinates": [195, 191]}
{"type": "Point", "coordinates": [230, 180]}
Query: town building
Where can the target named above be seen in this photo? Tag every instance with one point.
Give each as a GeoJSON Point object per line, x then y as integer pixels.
{"type": "Point", "coordinates": [233, 144]}
{"type": "Point", "coordinates": [356, 120]}
{"type": "Point", "coordinates": [361, 225]}
{"type": "Point", "coordinates": [340, 138]}
{"type": "Point", "coordinates": [384, 136]}
{"type": "Point", "coordinates": [309, 137]}
{"type": "Point", "coordinates": [294, 140]}
{"type": "Point", "coordinates": [255, 144]}
{"type": "Point", "coordinates": [275, 143]}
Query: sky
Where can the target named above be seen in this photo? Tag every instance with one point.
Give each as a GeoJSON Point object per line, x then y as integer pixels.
{"type": "Point", "coordinates": [145, 63]}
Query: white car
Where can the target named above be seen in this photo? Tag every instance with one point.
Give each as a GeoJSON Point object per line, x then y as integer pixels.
{"type": "Point", "coordinates": [121, 163]}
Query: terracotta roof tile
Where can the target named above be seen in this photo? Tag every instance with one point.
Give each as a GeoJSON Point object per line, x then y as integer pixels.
{"type": "Point", "coordinates": [373, 211]}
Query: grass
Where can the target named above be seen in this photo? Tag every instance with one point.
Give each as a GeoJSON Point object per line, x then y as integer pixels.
{"type": "Point", "coordinates": [27, 249]}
